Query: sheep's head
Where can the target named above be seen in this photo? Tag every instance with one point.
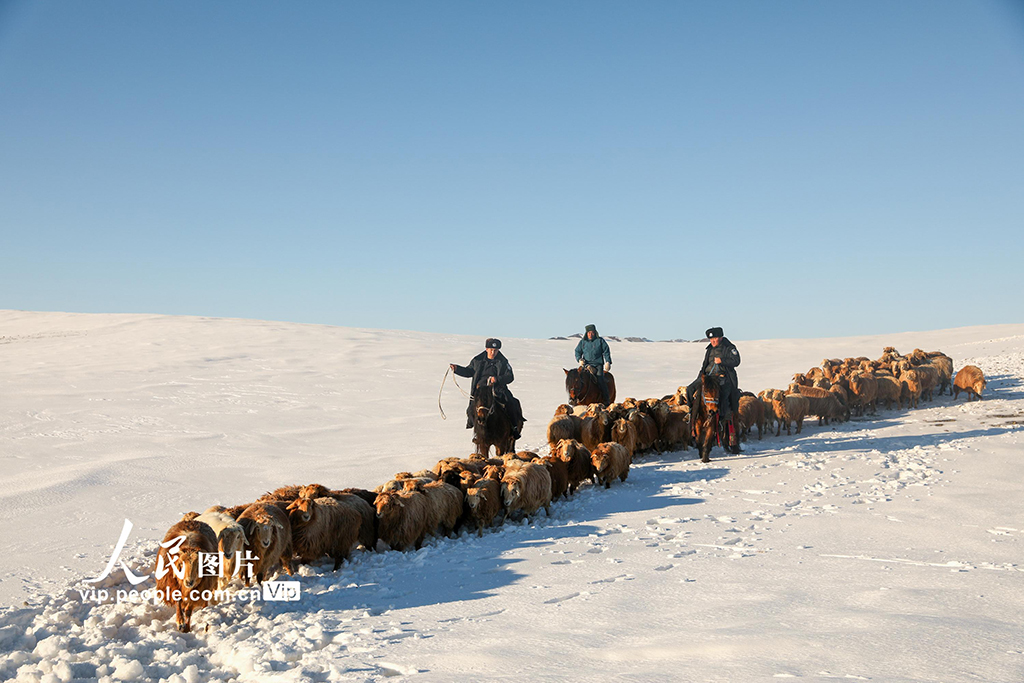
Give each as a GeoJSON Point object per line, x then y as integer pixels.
{"type": "Point", "coordinates": [473, 498]}
{"type": "Point", "coordinates": [302, 509]}
{"type": "Point", "coordinates": [511, 492]}
{"type": "Point", "coordinates": [563, 409]}
{"type": "Point", "coordinates": [188, 560]}
{"type": "Point", "coordinates": [265, 526]}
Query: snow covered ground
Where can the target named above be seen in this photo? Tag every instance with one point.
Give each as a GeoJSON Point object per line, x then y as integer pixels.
{"type": "Point", "coordinates": [883, 549]}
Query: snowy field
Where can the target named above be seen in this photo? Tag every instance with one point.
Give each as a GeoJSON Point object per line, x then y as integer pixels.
{"type": "Point", "coordinates": [884, 549]}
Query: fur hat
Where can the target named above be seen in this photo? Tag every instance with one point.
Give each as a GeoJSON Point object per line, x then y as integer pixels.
{"type": "Point", "coordinates": [492, 344]}
{"type": "Point", "coordinates": [591, 328]}
{"type": "Point", "coordinates": [714, 332]}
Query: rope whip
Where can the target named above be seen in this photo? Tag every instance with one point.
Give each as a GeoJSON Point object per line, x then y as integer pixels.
{"type": "Point", "coordinates": [443, 416]}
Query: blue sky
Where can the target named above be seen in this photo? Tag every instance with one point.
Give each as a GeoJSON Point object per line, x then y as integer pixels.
{"type": "Point", "coordinates": [785, 169]}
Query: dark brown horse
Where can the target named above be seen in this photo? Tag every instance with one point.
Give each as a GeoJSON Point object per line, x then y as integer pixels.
{"type": "Point", "coordinates": [491, 425]}
{"type": "Point", "coordinates": [582, 387]}
{"type": "Point", "coordinates": [708, 426]}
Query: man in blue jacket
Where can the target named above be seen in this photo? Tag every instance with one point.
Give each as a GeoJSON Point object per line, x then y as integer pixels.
{"type": "Point", "coordinates": [593, 352]}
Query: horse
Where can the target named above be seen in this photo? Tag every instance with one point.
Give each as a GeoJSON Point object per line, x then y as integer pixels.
{"type": "Point", "coordinates": [583, 389]}
{"type": "Point", "coordinates": [708, 425]}
{"type": "Point", "coordinates": [491, 425]}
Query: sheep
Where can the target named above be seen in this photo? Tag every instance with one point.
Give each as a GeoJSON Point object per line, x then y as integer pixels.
{"type": "Point", "coordinates": [447, 503]}
{"type": "Point", "coordinates": [943, 364]}
{"type": "Point", "coordinates": [610, 460]}
{"type": "Point", "coordinates": [559, 471]}
{"type": "Point", "coordinates": [646, 430]}
{"type": "Point", "coordinates": [890, 390]}
{"type": "Point", "coordinates": [369, 497]}
{"type": "Point", "coordinates": [863, 392]}
{"type": "Point", "coordinates": [751, 413]}
{"type": "Point", "coordinates": [673, 425]}
{"type": "Point", "coordinates": [181, 585]}
{"type": "Point", "coordinates": [624, 432]}
{"type": "Point", "coordinates": [563, 426]}
{"type": "Point", "coordinates": [820, 402]}
{"type": "Point", "coordinates": [526, 486]}
{"type": "Point", "coordinates": [323, 526]}
{"type": "Point", "coordinates": [910, 388]}
{"type": "Point", "coordinates": [523, 456]}
{"type": "Point", "coordinates": [577, 457]}
{"type": "Point", "coordinates": [843, 397]}
{"type": "Point", "coordinates": [580, 410]}
{"type": "Point", "coordinates": [969, 379]}
{"type": "Point", "coordinates": [270, 534]}
{"type": "Point", "coordinates": [230, 540]}
{"type": "Point", "coordinates": [450, 469]}
{"type": "Point", "coordinates": [404, 519]}
{"type": "Point", "coordinates": [592, 431]}
{"type": "Point", "coordinates": [483, 503]}
{"type": "Point", "coordinates": [789, 408]}
{"type": "Point", "coordinates": [927, 378]}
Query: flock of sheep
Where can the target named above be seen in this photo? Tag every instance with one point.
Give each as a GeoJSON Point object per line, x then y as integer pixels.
{"type": "Point", "coordinates": [595, 443]}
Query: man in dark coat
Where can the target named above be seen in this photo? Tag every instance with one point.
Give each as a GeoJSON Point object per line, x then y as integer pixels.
{"type": "Point", "coordinates": [720, 360]}
{"type": "Point", "coordinates": [491, 369]}
{"type": "Point", "coordinates": [592, 352]}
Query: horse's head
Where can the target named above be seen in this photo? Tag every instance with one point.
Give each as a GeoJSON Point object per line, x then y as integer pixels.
{"type": "Point", "coordinates": [576, 385]}
{"type": "Point", "coordinates": [710, 390]}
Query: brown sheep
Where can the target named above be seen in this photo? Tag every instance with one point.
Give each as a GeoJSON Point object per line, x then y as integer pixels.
{"type": "Point", "coordinates": [190, 591]}
{"type": "Point", "coordinates": [943, 364]}
{"type": "Point", "coordinates": [558, 469]}
{"type": "Point", "coordinates": [323, 526]}
{"type": "Point", "coordinates": [610, 460]}
{"type": "Point", "coordinates": [526, 486]}
{"type": "Point", "coordinates": [446, 501]}
{"type": "Point", "coordinates": [270, 537]}
{"type": "Point", "coordinates": [673, 425]}
{"type": "Point", "coordinates": [646, 430]}
{"type": "Point", "coordinates": [624, 432]}
{"type": "Point", "coordinates": [566, 426]}
{"type": "Point", "coordinates": [751, 413]}
{"type": "Point", "coordinates": [483, 503]}
{"type": "Point", "coordinates": [577, 457]}
{"type": "Point", "coordinates": [927, 378]}
{"type": "Point", "coordinates": [404, 519]}
{"type": "Point", "coordinates": [890, 390]}
{"type": "Point", "coordinates": [971, 380]}
{"type": "Point", "coordinates": [822, 403]}
{"type": "Point", "coordinates": [789, 408]}
{"type": "Point", "coordinates": [910, 388]}
{"type": "Point", "coordinates": [592, 431]}
{"type": "Point", "coordinates": [863, 393]}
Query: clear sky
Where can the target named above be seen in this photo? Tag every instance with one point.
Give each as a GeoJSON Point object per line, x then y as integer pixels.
{"type": "Point", "coordinates": [781, 169]}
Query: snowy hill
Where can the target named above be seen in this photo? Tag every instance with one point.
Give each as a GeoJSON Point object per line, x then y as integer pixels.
{"type": "Point", "coordinates": [885, 548]}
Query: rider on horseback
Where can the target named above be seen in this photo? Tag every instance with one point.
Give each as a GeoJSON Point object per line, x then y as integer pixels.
{"type": "Point", "coordinates": [593, 353]}
{"type": "Point", "coordinates": [720, 360]}
{"type": "Point", "coordinates": [491, 369]}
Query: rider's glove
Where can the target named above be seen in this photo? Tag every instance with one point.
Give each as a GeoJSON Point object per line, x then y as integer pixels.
{"type": "Point", "coordinates": [607, 367]}
{"type": "Point", "coordinates": [582, 363]}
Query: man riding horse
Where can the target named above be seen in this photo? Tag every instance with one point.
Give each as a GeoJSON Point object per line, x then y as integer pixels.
{"type": "Point", "coordinates": [490, 369]}
{"type": "Point", "coordinates": [720, 361]}
{"type": "Point", "coordinates": [593, 354]}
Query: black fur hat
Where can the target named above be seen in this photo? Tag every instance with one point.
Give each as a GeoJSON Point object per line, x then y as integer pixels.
{"type": "Point", "coordinates": [492, 344]}
{"type": "Point", "coordinates": [714, 332]}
